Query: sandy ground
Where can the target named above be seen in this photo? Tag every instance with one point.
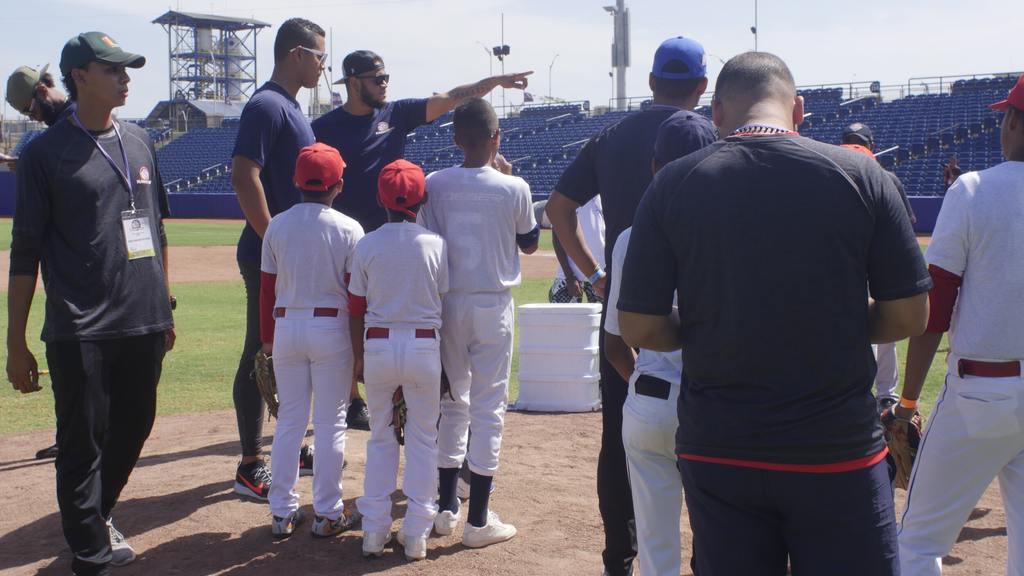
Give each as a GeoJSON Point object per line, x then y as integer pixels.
{"type": "Point", "coordinates": [182, 518]}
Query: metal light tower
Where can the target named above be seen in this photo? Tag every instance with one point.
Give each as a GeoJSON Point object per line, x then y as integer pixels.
{"type": "Point", "coordinates": [620, 49]}
{"type": "Point", "coordinates": [550, 66]}
{"type": "Point", "coordinates": [753, 29]}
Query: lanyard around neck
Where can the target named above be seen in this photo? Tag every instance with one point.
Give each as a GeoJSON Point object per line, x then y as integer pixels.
{"type": "Point", "coordinates": [124, 174]}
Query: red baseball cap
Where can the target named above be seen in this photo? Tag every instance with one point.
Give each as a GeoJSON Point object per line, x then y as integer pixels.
{"type": "Point", "coordinates": [318, 168]}
{"type": "Point", "coordinates": [401, 184]}
{"type": "Point", "coordinates": [1015, 98]}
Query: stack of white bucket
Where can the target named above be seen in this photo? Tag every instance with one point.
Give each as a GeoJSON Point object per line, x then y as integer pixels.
{"type": "Point", "coordinates": [559, 367]}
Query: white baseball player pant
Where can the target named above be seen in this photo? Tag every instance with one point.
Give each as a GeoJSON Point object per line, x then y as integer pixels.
{"type": "Point", "coordinates": [312, 358]}
{"type": "Point", "coordinates": [649, 437]}
{"type": "Point", "coordinates": [415, 365]}
{"type": "Point", "coordinates": [888, 375]}
{"type": "Point", "coordinates": [975, 434]}
{"type": "Point", "coordinates": [476, 350]}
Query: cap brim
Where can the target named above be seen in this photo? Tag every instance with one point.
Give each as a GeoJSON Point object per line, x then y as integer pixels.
{"type": "Point", "coordinates": [127, 59]}
{"type": "Point", "coordinates": [1002, 105]}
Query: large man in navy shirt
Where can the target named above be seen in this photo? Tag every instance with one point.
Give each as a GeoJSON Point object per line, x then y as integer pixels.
{"type": "Point", "coordinates": [271, 132]}
{"type": "Point", "coordinates": [617, 165]}
{"type": "Point", "coordinates": [370, 132]}
{"type": "Point", "coordinates": [772, 244]}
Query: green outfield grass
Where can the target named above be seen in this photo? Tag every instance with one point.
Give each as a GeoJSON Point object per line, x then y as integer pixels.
{"type": "Point", "coordinates": [179, 233]}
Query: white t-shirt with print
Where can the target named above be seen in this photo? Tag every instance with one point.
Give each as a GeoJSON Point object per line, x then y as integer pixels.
{"type": "Point", "coordinates": [979, 236]}
{"type": "Point", "coordinates": [401, 269]}
{"type": "Point", "coordinates": [479, 211]}
{"type": "Point", "coordinates": [310, 248]}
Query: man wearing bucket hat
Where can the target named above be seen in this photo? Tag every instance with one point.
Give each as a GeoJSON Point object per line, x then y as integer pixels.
{"type": "Point", "coordinates": [93, 182]}
{"type": "Point", "coordinates": [976, 432]}
{"type": "Point", "coordinates": [616, 164]}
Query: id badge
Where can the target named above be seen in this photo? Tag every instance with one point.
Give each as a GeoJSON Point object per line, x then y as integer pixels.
{"type": "Point", "coordinates": [138, 234]}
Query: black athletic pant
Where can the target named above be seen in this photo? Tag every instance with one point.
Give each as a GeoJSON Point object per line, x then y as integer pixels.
{"type": "Point", "coordinates": [249, 405]}
{"type": "Point", "coordinates": [105, 402]}
{"type": "Point", "coordinates": [614, 498]}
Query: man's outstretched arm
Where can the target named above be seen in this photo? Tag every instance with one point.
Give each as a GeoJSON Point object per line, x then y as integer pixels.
{"type": "Point", "coordinates": [440, 104]}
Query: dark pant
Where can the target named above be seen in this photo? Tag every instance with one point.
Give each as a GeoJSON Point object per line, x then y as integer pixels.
{"type": "Point", "coordinates": [249, 405]}
{"type": "Point", "coordinates": [748, 521]}
{"type": "Point", "coordinates": [614, 498]}
{"type": "Point", "coordinates": [105, 402]}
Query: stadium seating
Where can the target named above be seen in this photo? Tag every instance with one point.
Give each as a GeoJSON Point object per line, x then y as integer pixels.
{"type": "Point", "coordinates": [917, 134]}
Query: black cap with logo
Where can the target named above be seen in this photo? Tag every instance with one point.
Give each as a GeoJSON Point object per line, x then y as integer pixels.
{"type": "Point", "coordinates": [96, 47]}
{"type": "Point", "coordinates": [360, 62]}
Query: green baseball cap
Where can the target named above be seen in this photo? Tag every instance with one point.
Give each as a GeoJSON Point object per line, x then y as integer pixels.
{"type": "Point", "coordinates": [20, 86]}
{"type": "Point", "coordinates": [96, 47]}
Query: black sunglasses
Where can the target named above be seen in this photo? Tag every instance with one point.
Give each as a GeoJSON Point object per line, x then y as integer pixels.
{"type": "Point", "coordinates": [378, 80]}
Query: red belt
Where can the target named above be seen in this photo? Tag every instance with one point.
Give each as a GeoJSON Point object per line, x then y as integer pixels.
{"type": "Point", "coordinates": [372, 333]}
{"type": "Point", "coordinates": [988, 369]}
{"type": "Point", "coordinates": [317, 312]}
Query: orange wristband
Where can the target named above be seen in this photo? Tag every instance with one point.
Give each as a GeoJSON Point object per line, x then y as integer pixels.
{"type": "Point", "coordinates": [908, 404]}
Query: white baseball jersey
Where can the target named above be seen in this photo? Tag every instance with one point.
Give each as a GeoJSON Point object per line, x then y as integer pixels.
{"type": "Point", "coordinates": [591, 219]}
{"type": "Point", "coordinates": [982, 222]}
{"type": "Point", "coordinates": [401, 269]}
{"type": "Point", "coordinates": [665, 365]}
{"type": "Point", "coordinates": [479, 211]}
{"type": "Point", "coordinates": [310, 248]}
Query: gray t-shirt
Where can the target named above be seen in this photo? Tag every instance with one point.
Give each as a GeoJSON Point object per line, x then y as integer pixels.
{"type": "Point", "coordinates": [68, 220]}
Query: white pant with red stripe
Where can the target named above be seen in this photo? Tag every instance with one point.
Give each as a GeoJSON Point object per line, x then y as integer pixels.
{"type": "Point", "coordinates": [975, 434]}
{"type": "Point", "coordinates": [413, 363]}
{"type": "Point", "coordinates": [476, 349]}
{"type": "Point", "coordinates": [312, 359]}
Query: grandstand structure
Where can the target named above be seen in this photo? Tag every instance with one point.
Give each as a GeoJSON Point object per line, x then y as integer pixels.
{"type": "Point", "coordinates": [916, 133]}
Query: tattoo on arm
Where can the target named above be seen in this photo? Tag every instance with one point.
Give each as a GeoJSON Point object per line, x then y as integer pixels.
{"type": "Point", "coordinates": [462, 94]}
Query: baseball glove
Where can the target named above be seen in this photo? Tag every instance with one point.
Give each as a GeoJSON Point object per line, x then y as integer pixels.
{"type": "Point", "coordinates": [263, 372]}
{"type": "Point", "coordinates": [903, 437]}
{"type": "Point", "coordinates": [399, 411]}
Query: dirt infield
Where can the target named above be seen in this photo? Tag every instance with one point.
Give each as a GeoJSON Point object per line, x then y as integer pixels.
{"type": "Point", "coordinates": [182, 518]}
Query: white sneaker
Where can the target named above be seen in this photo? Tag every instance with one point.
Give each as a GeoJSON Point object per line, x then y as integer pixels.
{"type": "Point", "coordinates": [415, 546]}
{"type": "Point", "coordinates": [121, 552]}
{"type": "Point", "coordinates": [495, 531]}
{"type": "Point", "coordinates": [374, 543]}
{"type": "Point", "coordinates": [445, 522]}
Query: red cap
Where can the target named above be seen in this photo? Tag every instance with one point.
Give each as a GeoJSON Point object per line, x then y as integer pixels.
{"type": "Point", "coordinates": [318, 168]}
{"type": "Point", "coordinates": [1015, 99]}
{"type": "Point", "coordinates": [401, 184]}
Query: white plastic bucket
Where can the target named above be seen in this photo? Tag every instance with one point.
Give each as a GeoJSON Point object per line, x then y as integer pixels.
{"type": "Point", "coordinates": [558, 357]}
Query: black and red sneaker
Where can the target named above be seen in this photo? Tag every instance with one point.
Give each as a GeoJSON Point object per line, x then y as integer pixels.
{"type": "Point", "coordinates": [253, 480]}
{"type": "Point", "coordinates": [306, 461]}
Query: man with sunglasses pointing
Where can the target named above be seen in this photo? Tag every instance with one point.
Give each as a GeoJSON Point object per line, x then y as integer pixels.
{"type": "Point", "coordinates": [370, 132]}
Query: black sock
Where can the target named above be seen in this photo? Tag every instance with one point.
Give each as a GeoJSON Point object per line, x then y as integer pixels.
{"type": "Point", "coordinates": [479, 499]}
{"type": "Point", "coordinates": [448, 496]}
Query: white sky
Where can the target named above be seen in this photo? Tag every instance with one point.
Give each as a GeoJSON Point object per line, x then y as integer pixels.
{"type": "Point", "coordinates": [431, 45]}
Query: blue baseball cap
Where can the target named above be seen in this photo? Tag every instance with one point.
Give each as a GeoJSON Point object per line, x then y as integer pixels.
{"type": "Point", "coordinates": [680, 59]}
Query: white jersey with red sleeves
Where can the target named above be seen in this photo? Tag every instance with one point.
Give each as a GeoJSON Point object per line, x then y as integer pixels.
{"type": "Point", "coordinates": [979, 236]}
{"type": "Point", "coordinates": [479, 211]}
{"type": "Point", "coordinates": [665, 365]}
{"type": "Point", "coordinates": [310, 248]}
{"type": "Point", "coordinates": [401, 269]}
{"type": "Point", "coordinates": [591, 219]}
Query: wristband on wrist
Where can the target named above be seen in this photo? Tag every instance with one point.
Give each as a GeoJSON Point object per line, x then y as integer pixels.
{"type": "Point", "coordinates": [597, 275]}
{"type": "Point", "coordinates": [908, 404]}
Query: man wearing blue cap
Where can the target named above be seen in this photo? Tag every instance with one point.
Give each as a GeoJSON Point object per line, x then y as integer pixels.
{"type": "Point", "coordinates": [616, 164]}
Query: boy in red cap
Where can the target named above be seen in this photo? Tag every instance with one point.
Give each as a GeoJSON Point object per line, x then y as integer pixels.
{"type": "Point", "coordinates": [399, 272]}
{"type": "Point", "coordinates": [307, 256]}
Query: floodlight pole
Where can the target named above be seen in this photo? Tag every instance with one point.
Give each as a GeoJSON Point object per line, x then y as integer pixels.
{"type": "Point", "coordinates": [755, 26]}
{"type": "Point", "coordinates": [550, 66]}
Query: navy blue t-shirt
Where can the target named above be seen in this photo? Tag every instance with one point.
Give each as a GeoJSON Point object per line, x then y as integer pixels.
{"type": "Point", "coordinates": [772, 245]}
{"type": "Point", "coordinates": [368, 143]}
{"type": "Point", "coordinates": [616, 163]}
{"type": "Point", "coordinates": [271, 132]}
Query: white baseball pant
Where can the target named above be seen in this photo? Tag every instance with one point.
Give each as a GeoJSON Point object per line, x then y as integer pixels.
{"type": "Point", "coordinates": [413, 363]}
{"type": "Point", "coordinates": [975, 434]}
{"type": "Point", "coordinates": [476, 350]}
{"type": "Point", "coordinates": [888, 375]}
{"type": "Point", "coordinates": [649, 437]}
{"type": "Point", "coordinates": [312, 358]}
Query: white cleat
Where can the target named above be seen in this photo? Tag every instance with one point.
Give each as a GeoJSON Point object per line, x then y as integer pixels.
{"type": "Point", "coordinates": [445, 522]}
{"type": "Point", "coordinates": [495, 531]}
{"type": "Point", "coordinates": [374, 543]}
{"type": "Point", "coordinates": [415, 546]}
